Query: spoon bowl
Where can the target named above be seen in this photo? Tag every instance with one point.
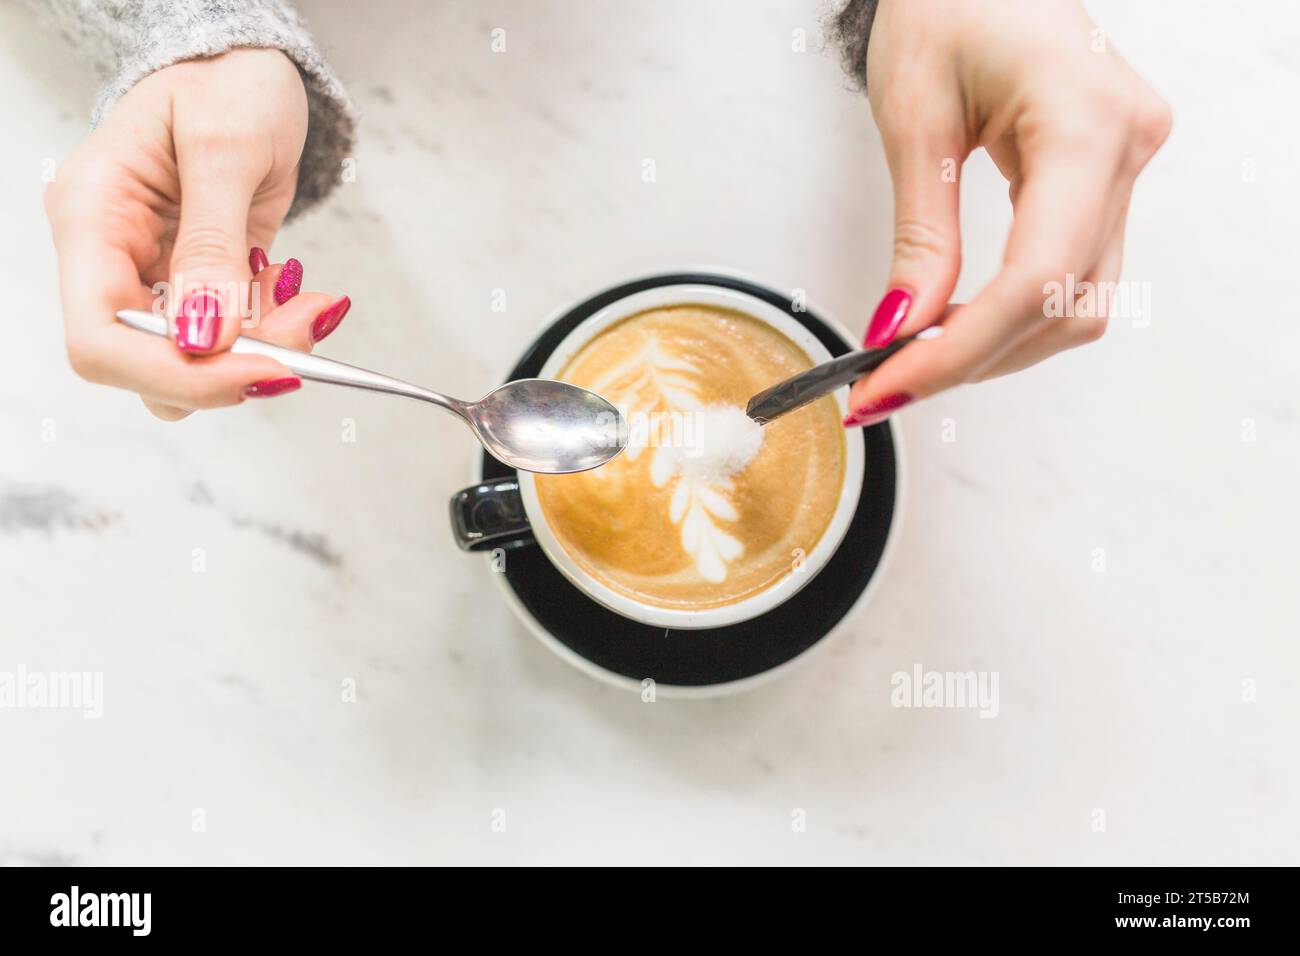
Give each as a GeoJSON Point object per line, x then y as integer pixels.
{"type": "Point", "coordinates": [540, 425]}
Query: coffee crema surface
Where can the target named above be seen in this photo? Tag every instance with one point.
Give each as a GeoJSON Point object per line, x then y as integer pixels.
{"type": "Point", "coordinates": [703, 508]}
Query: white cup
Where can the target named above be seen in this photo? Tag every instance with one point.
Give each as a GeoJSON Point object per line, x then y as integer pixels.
{"type": "Point", "coordinates": [783, 589]}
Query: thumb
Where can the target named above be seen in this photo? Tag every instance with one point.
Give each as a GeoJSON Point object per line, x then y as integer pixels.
{"type": "Point", "coordinates": [209, 266]}
{"type": "Point", "coordinates": [927, 241]}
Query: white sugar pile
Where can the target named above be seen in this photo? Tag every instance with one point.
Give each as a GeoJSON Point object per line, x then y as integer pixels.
{"type": "Point", "coordinates": [722, 441]}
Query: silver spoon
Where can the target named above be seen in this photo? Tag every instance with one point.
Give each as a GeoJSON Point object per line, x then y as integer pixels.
{"type": "Point", "coordinates": [533, 424]}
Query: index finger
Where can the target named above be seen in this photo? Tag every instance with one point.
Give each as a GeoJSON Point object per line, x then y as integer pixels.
{"type": "Point", "coordinates": [1061, 214]}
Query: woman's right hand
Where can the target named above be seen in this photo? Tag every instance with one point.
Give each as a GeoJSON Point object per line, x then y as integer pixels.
{"type": "Point", "coordinates": [1066, 121]}
{"type": "Point", "coordinates": [194, 166]}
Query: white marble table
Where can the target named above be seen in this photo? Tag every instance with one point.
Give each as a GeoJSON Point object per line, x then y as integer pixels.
{"type": "Point", "coordinates": [324, 561]}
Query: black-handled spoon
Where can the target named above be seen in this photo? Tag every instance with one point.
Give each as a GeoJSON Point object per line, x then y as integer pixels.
{"type": "Point", "coordinates": [799, 390]}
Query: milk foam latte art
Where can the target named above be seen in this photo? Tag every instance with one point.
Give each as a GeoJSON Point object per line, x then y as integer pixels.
{"type": "Point", "coordinates": [703, 508]}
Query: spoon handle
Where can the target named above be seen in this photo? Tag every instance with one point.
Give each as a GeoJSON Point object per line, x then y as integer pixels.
{"type": "Point", "coordinates": [799, 390]}
{"type": "Point", "coordinates": [304, 364]}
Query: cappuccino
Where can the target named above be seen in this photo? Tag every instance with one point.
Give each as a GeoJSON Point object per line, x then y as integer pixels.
{"type": "Point", "coordinates": [704, 507]}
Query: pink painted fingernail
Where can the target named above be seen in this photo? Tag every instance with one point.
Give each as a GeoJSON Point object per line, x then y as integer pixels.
{"type": "Point", "coordinates": [199, 323]}
{"type": "Point", "coordinates": [289, 283]}
{"type": "Point", "coordinates": [271, 387]}
{"type": "Point", "coordinates": [889, 315]}
{"type": "Point", "coordinates": [257, 259]}
{"type": "Point", "coordinates": [875, 412]}
{"type": "Point", "coordinates": [330, 318]}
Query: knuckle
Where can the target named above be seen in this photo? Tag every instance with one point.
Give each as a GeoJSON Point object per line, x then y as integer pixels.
{"type": "Point", "coordinates": [204, 245]}
{"type": "Point", "coordinates": [1150, 123]}
{"type": "Point", "coordinates": [223, 144]}
{"type": "Point", "coordinates": [1112, 99]}
{"type": "Point", "coordinates": [1140, 120]}
{"type": "Point", "coordinates": [916, 238]}
{"type": "Point", "coordinates": [1074, 130]}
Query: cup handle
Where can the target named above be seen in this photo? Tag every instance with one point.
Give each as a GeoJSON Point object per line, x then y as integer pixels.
{"type": "Point", "coordinates": [490, 516]}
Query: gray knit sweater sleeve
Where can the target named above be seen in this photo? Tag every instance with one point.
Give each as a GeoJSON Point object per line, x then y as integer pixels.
{"type": "Point", "coordinates": [852, 29]}
{"type": "Point", "coordinates": [129, 39]}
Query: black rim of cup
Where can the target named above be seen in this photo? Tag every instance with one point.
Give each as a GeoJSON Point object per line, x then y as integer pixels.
{"type": "Point", "coordinates": [708, 657]}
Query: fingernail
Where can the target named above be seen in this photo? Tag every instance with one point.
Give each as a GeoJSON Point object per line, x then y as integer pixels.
{"type": "Point", "coordinates": [875, 412]}
{"type": "Point", "coordinates": [289, 283]}
{"type": "Point", "coordinates": [199, 323]}
{"type": "Point", "coordinates": [330, 318]}
{"type": "Point", "coordinates": [257, 259]}
{"type": "Point", "coordinates": [889, 315]}
{"type": "Point", "coordinates": [271, 387]}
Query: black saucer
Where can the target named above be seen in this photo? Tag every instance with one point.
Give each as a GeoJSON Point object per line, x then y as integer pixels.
{"type": "Point", "coordinates": [718, 655]}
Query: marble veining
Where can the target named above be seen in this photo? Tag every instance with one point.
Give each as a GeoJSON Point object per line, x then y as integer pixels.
{"type": "Point", "coordinates": [300, 667]}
